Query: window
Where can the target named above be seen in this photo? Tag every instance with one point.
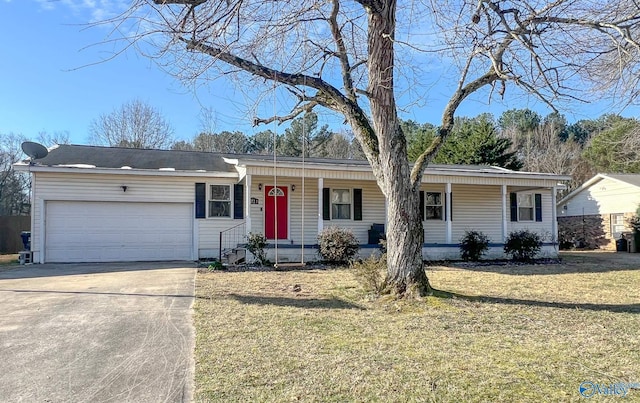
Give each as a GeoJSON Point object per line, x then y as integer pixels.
{"type": "Point", "coordinates": [340, 204]}
{"type": "Point", "coordinates": [433, 206]}
{"type": "Point", "coordinates": [525, 207]}
{"type": "Point", "coordinates": [617, 225]}
{"type": "Point", "coordinates": [219, 201]}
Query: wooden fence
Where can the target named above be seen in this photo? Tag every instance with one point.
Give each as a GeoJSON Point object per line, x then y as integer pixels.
{"type": "Point", "coordinates": [10, 229]}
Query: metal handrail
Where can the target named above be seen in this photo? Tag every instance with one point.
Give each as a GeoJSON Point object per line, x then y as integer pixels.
{"type": "Point", "coordinates": [231, 237]}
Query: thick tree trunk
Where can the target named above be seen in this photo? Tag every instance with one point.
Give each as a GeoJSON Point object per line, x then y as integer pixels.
{"type": "Point", "coordinates": [405, 235]}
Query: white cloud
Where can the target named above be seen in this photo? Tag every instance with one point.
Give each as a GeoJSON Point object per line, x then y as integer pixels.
{"type": "Point", "coordinates": [91, 10]}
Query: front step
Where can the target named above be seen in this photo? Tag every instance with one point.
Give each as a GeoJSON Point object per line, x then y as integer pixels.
{"type": "Point", "coordinates": [234, 256]}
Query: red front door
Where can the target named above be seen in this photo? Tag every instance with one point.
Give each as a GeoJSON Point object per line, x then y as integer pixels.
{"type": "Point", "coordinates": [276, 214]}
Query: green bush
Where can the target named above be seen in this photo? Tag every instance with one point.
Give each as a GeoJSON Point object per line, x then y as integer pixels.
{"type": "Point", "coordinates": [256, 244]}
{"type": "Point", "coordinates": [216, 265]}
{"type": "Point", "coordinates": [523, 245]}
{"type": "Point", "coordinates": [371, 273]}
{"type": "Point", "coordinates": [473, 245]}
{"type": "Point", "coordinates": [337, 245]}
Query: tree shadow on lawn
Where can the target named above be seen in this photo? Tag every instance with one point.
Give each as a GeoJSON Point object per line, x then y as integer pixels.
{"type": "Point", "coordinates": [623, 308]}
{"type": "Point", "coordinates": [307, 303]}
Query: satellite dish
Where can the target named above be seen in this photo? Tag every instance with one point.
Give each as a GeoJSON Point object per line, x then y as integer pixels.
{"type": "Point", "coordinates": [34, 150]}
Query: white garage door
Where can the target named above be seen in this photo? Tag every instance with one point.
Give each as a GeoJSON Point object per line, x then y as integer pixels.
{"type": "Point", "coordinates": [117, 232]}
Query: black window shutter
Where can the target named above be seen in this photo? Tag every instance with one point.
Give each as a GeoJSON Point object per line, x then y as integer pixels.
{"type": "Point", "coordinates": [357, 204]}
{"type": "Point", "coordinates": [201, 200]}
{"type": "Point", "coordinates": [538, 201]}
{"type": "Point", "coordinates": [450, 202]}
{"type": "Point", "coordinates": [514, 206]}
{"type": "Point", "coordinates": [238, 201]}
{"type": "Point", "coordinates": [326, 204]}
{"type": "Point", "coordinates": [422, 205]}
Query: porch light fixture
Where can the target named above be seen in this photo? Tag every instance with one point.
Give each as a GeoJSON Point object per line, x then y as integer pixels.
{"type": "Point", "coordinates": [293, 188]}
{"type": "Point", "coordinates": [124, 188]}
{"type": "Point", "coordinates": [259, 186]}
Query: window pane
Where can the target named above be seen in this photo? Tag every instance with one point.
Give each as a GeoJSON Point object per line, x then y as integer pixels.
{"type": "Point", "coordinates": [433, 199]}
{"type": "Point", "coordinates": [219, 209]}
{"type": "Point", "coordinates": [341, 211]}
{"type": "Point", "coordinates": [341, 196]}
{"type": "Point", "coordinates": [617, 225]}
{"type": "Point", "coordinates": [525, 200]}
{"type": "Point", "coordinates": [526, 213]}
{"type": "Point", "coordinates": [433, 213]}
{"type": "Point", "coordinates": [220, 192]}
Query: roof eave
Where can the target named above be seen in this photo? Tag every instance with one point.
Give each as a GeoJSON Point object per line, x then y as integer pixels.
{"type": "Point", "coordinates": [499, 173]}
{"type": "Point", "coordinates": [119, 171]}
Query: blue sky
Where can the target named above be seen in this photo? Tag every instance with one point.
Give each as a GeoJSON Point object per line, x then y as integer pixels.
{"type": "Point", "coordinates": [52, 79]}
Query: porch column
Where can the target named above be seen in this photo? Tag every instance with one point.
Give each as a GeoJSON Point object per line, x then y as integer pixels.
{"type": "Point", "coordinates": [247, 204]}
{"type": "Point", "coordinates": [320, 219]}
{"type": "Point", "coordinates": [554, 216]}
{"type": "Point", "coordinates": [386, 214]}
{"type": "Point", "coordinates": [447, 206]}
{"type": "Point", "coordinates": [504, 213]}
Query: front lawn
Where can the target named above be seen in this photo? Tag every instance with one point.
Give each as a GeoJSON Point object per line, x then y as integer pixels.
{"type": "Point", "coordinates": [511, 333]}
{"type": "Point", "coordinates": [9, 259]}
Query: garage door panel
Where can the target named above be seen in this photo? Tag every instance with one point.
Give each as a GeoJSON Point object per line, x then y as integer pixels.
{"type": "Point", "coordinates": [111, 231]}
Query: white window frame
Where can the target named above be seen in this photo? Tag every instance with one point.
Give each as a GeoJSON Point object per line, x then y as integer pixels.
{"type": "Point", "coordinates": [532, 207]}
{"type": "Point", "coordinates": [211, 200]}
{"type": "Point", "coordinates": [427, 205]}
{"type": "Point", "coordinates": [350, 204]}
{"type": "Point", "coordinates": [617, 225]}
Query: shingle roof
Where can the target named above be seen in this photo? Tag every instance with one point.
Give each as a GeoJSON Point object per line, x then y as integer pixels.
{"type": "Point", "coordinates": [633, 179]}
{"type": "Point", "coordinates": [262, 158]}
{"type": "Point", "coordinates": [115, 157]}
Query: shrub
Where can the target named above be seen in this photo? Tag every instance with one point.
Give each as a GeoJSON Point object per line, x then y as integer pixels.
{"type": "Point", "coordinates": [473, 245]}
{"type": "Point", "coordinates": [337, 245]}
{"type": "Point", "coordinates": [523, 245]}
{"type": "Point", "coordinates": [216, 265]}
{"type": "Point", "coordinates": [256, 244]}
{"type": "Point", "coordinates": [371, 273]}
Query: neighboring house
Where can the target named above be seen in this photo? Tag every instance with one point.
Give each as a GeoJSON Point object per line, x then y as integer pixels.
{"type": "Point", "coordinates": [597, 213]}
{"type": "Point", "coordinates": [94, 204]}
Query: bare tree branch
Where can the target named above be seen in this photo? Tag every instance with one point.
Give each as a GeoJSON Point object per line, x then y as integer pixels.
{"type": "Point", "coordinates": [342, 51]}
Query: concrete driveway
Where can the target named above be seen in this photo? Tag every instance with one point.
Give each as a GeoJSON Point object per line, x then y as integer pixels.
{"type": "Point", "coordinates": [97, 333]}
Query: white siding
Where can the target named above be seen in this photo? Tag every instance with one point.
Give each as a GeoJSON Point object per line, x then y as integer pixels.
{"type": "Point", "coordinates": [102, 187]}
{"type": "Point", "coordinates": [543, 228]}
{"type": "Point", "coordinates": [310, 211]}
{"type": "Point", "coordinates": [606, 196]}
{"type": "Point", "coordinates": [373, 207]}
{"type": "Point", "coordinates": [295, 222]}
{"type": "Point", "coordinates": [477, 208]}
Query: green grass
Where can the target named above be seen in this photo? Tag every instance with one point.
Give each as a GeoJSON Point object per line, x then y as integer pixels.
{"type": "Point", "coordinates": [509, 333]}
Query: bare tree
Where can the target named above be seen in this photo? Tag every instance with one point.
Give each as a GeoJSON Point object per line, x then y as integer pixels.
{"type": "Point", "coordinates": [342, 55]}
{"type": "Point", "coordinates": [14, 186]}
{"type": "Point", "coordinates": [51, 139]}
{"type": "Point", "coordinates": [135, 124]}
{"type": "Point", "coordinates": [338, 146]}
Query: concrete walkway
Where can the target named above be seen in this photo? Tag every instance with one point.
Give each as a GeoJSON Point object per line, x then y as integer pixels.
{"type": "Point", "coordinates": [97, 333]}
